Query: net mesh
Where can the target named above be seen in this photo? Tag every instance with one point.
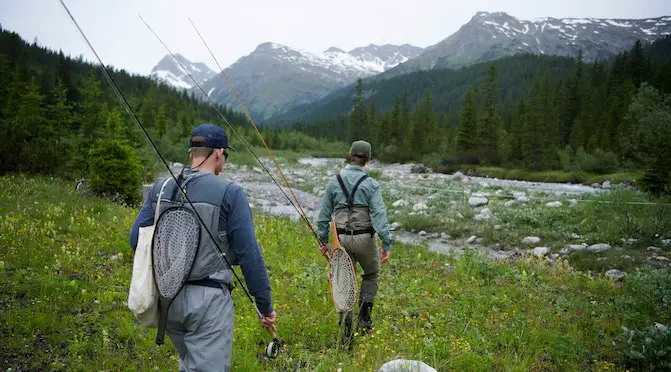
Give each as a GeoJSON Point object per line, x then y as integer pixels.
{"type": "Point", "coordinates": [342, 277]}
{"type": "Point", "coordinates": [175, 246]}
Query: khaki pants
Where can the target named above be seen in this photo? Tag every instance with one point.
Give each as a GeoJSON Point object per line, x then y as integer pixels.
{"type": "Point", "coordinates": [363, 249]}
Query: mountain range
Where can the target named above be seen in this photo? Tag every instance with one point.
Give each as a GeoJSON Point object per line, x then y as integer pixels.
{"type": "Point", "coordinates": [275, 78]}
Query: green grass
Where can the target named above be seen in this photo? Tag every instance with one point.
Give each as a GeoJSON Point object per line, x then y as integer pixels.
{"type": "Point", "coordinates": [63, 300]}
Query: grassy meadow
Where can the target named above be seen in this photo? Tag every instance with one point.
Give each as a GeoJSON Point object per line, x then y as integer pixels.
{"type": "Point", "coordinates": [66, 267]}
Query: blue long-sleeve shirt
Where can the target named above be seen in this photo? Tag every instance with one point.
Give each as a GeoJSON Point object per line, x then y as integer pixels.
{"type": "Point", "coordinates": [236, 219]}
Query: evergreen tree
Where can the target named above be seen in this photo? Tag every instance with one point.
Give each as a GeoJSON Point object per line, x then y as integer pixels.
{"type": "Point", "coordinates": [490, 121]}
{"type": "Point", "coordinates": [468, 127]}
{"type": "Point", "coordinates": [358, 117]}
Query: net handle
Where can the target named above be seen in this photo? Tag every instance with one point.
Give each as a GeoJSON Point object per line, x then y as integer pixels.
{"type": "Point", "coordinates": [337, 246]}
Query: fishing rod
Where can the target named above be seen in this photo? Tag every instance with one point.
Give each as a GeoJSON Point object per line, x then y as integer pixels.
{"type": "Point", "coordinates": [273, 345]}
{"type": "Point", "coordinates": [297, 205]}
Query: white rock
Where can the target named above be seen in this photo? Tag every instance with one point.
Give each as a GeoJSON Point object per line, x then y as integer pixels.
{"type": "Point", "coordinates": [654, 249]}
{"type": "Point", "coordinates": [661, 258]}
{"type": "Point", "coordinates": [257, 170]}
{"type": "Point", "coordinates": [177, 165]}
{"type": "Point", "coordinates": [405, 365]}
{"type": "Point", "coordinates": [531, 240]}
{"type": "Point", "coordinates": [660, 327]}
{"type": "Point", "coordinates": [497, 227]}
{"type": "Point", "coordinates": [666, 242]}
{"type": "Point", "coordinates": [400, 203]}
{"type": "Point", "coordinates": [420, 207]}
{"type": "Point", "coordinates": [485, 214]}
{"type": "Point", "coordinates": [435, 235]}
{"type": "Point", "coordinates": [422, 233]}
{"type": "Point", "coordinates": [554, 204]}
{"type": "Point", "coordinates": [509, 203]}
{"type": "Point", "coordinates": [397, 212]}
{"type": "Point", "coordinates": [477, 201]}
{"type": "Point", "coordinates": [615, 274]}
{"type": "Point", "coordinates": [576, 247]}
{"type": "Point", "coordinates": [457, 175]}
{"type": "Point", "coordinates": [575, 236]}
{"type": "Point", "coordinates": [572, 202]}
{"type": "Point", "coordinates": [564, 251]}
{"type": "Point", "coordinates": [541, 251]}
{"type": "Point", "coordinates": [471, 239]}
{"type": "Point", "coordinates": [116, 257]}
{"type": "Point", "coordinates": [596, 185]}
{"type": "Point", "coordinates": [523, 199]}
{"type": "Point", "coordinates": [599, 247]}
{"type": "Point", "coordinates": [606, 184]}
{"type": "Point", "coordinates": [394, 226]}
{"type": "Point", "coordinates": [445, 236]}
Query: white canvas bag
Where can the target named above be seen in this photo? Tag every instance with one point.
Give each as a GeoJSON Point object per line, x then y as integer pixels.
{"type": "Point", "coordinates": [143, 295]}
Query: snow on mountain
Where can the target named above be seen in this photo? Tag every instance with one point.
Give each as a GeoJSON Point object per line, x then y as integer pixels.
{"type": "Point", "coordinates": [168, 71]}
{"type": "Point", "coordinates": [493, 35]}
{"type": "Point", "coordinates": [275, 77]}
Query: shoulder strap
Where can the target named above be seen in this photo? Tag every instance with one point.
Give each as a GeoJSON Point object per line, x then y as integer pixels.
{"type": "Point", "coordinates": [344, 190]}
{"type": "Point", "coordinates": [350, 197]}
{"type": "Point", "coordinates": [158, 201]}
{"type": "Point", "coordinates": [356, 187]}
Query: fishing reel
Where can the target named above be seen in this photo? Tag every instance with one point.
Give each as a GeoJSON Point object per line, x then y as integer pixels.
{"type": "Point", "coordinates": [273, 348]}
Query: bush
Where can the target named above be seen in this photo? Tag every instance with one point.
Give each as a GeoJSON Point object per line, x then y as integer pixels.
{"type": "Point", "coordinates": [598, 162]}
{"type": "Point", "coordinates": [115, 170]}
{"type": "Point", "coordinates": [647, 350]}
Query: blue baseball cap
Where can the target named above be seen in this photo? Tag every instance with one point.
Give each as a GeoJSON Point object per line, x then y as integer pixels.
{"type": "Point", "coordinates": [209, 135]}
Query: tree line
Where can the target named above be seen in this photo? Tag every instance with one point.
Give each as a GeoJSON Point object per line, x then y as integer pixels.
{"type": "Point", "coordinates": [58, 116]}
{"type": "Point", "coordinates": [603, 117]}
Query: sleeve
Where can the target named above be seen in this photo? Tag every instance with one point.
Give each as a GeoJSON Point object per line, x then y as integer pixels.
{"type": "Point", "coordinates": [378, 215]}
{"type": "Point", "coordinates": [239, 225]}
{"type": "Point", "coordinates": [144, 218]}
{"type": "Point", "coordinates": [324, 215]}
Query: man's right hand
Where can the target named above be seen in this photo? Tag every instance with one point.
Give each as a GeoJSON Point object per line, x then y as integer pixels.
{"type": "Point", "coordinates": [323, 248]}
{"type": "Point", "coordinates": [384, 256]}
{"type": "Point", "coordinates": [268, 321]}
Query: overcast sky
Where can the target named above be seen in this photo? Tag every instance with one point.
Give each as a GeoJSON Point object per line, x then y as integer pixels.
{"type": "Point", "coordinates": [234, 28]}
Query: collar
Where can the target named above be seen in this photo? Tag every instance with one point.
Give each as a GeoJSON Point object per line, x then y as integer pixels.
{"type": "Point", "coordinates": [355, 168]}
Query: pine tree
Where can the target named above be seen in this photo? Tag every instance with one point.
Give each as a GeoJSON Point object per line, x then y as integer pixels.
{"type": "Point", "coordinates": [33, 135]}
{"type": "Point", "coordinates": [468, 127]}
{"type": "Point", "coordinates": [161, 121]}
{"type": "Point", "coordinates": [490, 121]}
{"type": "Point", "coordinates": [358, 117]}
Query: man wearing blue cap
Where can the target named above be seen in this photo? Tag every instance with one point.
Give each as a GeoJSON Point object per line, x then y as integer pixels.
{"type": "Point", "coordinates": [200, 319]}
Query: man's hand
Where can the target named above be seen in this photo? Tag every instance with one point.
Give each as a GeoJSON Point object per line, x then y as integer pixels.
{"type": "Point", "coordinates": [323, 248]}
{"type": "Point", "coordinates": [268, 321]}
{"type": "Point", "coordinates": [384, 256]}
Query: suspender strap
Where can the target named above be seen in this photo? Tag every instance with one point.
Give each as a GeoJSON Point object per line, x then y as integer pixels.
{"type": "Point", "coordinates": [350, 197]}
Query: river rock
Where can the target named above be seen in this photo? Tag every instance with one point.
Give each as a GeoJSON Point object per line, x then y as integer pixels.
{"type": "Point", "coordinates": [541, 251]}
{"type": "Point", "coordinates": [531, 240]}
{"type": "Point", "coordinates": [477, 201]}
{"type": "Point", "coordinates": [615, 274]}
{"type": "Point", "coordinates": [400, 203]}
{"type": "Point", "coordinates": [601, 247]}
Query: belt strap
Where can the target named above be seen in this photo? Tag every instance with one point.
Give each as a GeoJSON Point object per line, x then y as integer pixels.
{"type": "Point", "coordinates": [207, 282]}
{"type": "Point", "coordinates": [356, 232]}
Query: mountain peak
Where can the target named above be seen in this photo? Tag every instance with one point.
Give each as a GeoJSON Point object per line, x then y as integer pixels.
{"type": "Point", "coordinates": [334, 50]}
{"type": "Point", "coordinates": [170, 72]}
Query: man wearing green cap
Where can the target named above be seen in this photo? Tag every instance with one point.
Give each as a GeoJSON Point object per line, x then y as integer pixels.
{"type": "Point", "coordinates": [355, 201]}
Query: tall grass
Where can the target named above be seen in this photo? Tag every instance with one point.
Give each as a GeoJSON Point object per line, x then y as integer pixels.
{"type": "Point", "coordinates": [65, 283]}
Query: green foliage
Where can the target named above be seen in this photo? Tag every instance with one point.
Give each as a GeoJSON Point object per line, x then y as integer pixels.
{"type": "Point", "coordinates": [53, 109]}
{"type": "Point", "coordinates": [465, 314]}
{"type": "Point", "coordinates": [648, 349]}
{"type": "Point", "coordinates": [114, 167]}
